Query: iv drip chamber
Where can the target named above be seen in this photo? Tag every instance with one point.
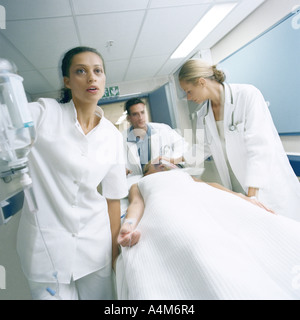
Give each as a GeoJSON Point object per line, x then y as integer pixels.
{"type": "Point", "coordinates": [16, 125]}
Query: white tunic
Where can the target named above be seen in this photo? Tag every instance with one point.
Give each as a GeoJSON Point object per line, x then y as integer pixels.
{"type": "Point", "coordinates": [66, 167]}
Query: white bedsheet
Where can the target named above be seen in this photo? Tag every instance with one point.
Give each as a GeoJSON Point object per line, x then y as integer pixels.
{"type": "Point", "coordinates": [202, 243]}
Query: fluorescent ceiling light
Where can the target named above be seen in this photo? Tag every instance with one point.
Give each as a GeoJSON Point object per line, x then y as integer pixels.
{"type": "Point", "coordinates": [122, 118]}
{"type": "Point", "coordinates": [211, 19]}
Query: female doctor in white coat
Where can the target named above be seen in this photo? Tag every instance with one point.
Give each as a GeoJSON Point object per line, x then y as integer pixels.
{"type": "Point", "coordinates": [242, 139]}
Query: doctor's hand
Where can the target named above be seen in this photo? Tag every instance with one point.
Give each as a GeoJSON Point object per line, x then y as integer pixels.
{"type": "Point", "coordinates": [259, 204]}
{"type": "Point", "coordinates": [128, 237]}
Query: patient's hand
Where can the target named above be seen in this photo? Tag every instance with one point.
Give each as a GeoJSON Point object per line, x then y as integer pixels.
{"type": "Point", "coordinates": [127, 236]}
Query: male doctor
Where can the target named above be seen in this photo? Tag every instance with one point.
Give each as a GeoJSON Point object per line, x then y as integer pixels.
{"type": "Point", "coordinates": [148, 141]}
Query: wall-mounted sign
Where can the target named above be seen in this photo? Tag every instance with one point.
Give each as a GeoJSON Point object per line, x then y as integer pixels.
{"type": "Point", "coordinates": [111, 92]}
{"type": "Point", "coordinates": [114, 91]}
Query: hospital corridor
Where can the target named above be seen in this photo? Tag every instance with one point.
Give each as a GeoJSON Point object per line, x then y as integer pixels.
{"type": "Point", "coordinates": [149, 150]}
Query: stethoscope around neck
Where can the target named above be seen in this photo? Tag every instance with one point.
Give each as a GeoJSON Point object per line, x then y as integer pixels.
{"type": "Point", "coordinates": [232, 126]}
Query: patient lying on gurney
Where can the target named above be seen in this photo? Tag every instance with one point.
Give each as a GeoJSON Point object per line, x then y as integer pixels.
{"type": "Point", "coordinates": [129, 236]}
{"type": "Point", "coordinates": [195, 241]}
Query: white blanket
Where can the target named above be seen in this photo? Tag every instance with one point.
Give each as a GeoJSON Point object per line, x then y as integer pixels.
{"type": "Point", "coordinates": [199, 242]}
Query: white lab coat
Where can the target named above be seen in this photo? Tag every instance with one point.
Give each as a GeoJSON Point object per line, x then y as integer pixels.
{"type": "Point", "coordinates": [165, 141]}
{"type": "Point", "coordinates": [254, 149]}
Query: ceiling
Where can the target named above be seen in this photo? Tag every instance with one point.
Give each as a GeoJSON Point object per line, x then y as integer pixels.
{"type": "Point", "coordinates": [135, 37]}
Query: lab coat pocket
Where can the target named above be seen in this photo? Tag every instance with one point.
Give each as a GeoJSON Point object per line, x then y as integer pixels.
{"type": "Point", "coordinates": [238, 131]}
{"type": "Point", "coordinates": [235, 138]}
{"type": "Point", "coordinates": [240, 127]}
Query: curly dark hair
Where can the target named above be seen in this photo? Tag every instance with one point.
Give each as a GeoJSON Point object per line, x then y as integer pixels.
{"type": "Point", "coordinates": [132, 102]}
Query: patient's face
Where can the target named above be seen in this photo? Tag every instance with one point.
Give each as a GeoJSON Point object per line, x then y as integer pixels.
{"type": "Point", "coordinates": [154, 168]}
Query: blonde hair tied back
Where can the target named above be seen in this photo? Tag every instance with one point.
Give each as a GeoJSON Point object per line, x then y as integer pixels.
{"type": "Point", "coordinates": [219, 75]}
{"type": "Point", "coordinates": [194, 69]}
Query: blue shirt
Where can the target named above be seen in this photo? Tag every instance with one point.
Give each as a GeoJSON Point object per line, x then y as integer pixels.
{"type": "Point", "coordinates": [143, 145]}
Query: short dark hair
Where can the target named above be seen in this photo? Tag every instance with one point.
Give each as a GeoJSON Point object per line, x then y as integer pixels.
{"type": "Point", "coordinates": [132, 102]}
{"type": "Point", "coordinates": [66, 94]}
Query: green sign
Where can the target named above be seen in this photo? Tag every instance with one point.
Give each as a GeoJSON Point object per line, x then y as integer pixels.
{"type": "Point", "coordinates": [106, 93]}
{"type": "Point", "coordinates": [111, 92]}
{"type": "Point", "coordinates": [114, 91]}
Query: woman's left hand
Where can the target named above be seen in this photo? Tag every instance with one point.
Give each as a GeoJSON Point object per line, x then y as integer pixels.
{"type": "Point", "coordinates": [259, 204]}
{"type": "Point", "coordinates": [255, 201]}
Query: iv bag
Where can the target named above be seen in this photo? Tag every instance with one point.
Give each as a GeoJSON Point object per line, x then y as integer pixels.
{"type": "Point", "coordinates": [16, 125]}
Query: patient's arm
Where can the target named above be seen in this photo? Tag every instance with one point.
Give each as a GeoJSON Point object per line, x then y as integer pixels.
{"type": "Point", "coordinates": [128, 236]}
{"type": "Point", "coordinates": [253, 201]}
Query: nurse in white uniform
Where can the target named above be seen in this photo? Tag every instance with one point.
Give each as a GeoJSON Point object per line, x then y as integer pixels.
{"type": "Point", "coordinates": [67, 247]}
{"type": "Point", "coordinates": [242, 139]}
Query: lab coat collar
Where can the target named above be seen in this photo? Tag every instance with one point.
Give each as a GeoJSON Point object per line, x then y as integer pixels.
{"type": "Point", "coordinates": [99, 111]}
{"type": "Point", "coordinates": [152, 129]}
{"type": "Point", "coordinates": [228, 93]}
{"type": "Point", "coordinates": [210, 120]}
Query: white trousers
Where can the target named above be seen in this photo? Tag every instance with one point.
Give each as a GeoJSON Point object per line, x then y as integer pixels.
{"type": "Point", "coordinates": [99, 285]}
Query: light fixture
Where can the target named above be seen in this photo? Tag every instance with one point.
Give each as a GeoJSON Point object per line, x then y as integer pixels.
{"type": "Point", "coordinates": [122, 118]}
{"type": "Point", "coordinates": [208, 23]}
{"type": "Point", "coordinates": [109, 43]}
